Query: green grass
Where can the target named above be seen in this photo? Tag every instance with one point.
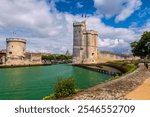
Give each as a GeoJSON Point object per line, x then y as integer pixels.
{"type": "Point", "coordinates": [125, 67]}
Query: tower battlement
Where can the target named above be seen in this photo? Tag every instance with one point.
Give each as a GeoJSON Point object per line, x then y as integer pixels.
{"type": "Point", "coordinates": [79, 23]}
{"type": "Point", "coordinates": [93, 32]}
{"type": "Point", "coordinates": [15, 40]}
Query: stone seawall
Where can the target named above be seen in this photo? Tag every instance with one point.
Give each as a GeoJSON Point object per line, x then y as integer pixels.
{"type": "Point", "coordinates": [116, 89]}
{"type": "Point", "coordinates": [27, 65]}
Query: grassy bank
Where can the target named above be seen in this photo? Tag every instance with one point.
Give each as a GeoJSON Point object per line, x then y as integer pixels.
{"type": "Point", "coordinates": [125, 67]}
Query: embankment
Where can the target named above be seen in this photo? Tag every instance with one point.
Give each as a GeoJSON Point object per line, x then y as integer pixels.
{"type": "Point", "coordinates": [116, 89]}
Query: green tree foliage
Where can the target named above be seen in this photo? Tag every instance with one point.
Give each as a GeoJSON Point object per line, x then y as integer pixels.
{"type": "Point", "coordinates": [50, 57]}
{"type": "Point", "coordinates": [64, 88]}
{"type": "Point", "coordinates": [56, 57]}
{"type": "Point", "coordinates": [141, 47]}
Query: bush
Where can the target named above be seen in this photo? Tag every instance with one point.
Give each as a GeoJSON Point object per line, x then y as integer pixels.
{"type": "Point", "coordinates": [136, 62]}
{"type": "Point", "coordinates": [64, 88]}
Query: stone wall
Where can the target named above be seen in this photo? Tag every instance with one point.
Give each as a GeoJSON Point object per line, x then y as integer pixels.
{"type": "Point", "coordinates": [36, 58]}
{"type": "Point", "coordinates": [109, 56]}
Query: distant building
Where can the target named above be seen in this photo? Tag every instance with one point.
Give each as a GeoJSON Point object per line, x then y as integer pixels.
{"type": "Point", "coordinates": [2, 57]}
{"type": "Point", "coordinates": [85, 44]}
{"type": "Point", "coordinates": [67, 53]}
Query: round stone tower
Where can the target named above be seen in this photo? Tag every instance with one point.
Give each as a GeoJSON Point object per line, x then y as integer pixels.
{"type": "Point", "coordinates": [15, 48]}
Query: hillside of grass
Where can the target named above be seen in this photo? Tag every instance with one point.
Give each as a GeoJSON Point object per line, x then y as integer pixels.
{"type": "Point", "coordinates": [124, 66]}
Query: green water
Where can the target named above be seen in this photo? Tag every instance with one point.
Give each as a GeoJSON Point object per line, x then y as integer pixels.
{"type": "Point", "coordinates": [29, 83]}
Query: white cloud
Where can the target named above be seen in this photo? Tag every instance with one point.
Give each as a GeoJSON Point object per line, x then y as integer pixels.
{"type": "Point", "coordinates": [44, 30]}
{"type": "Point", "coordinates": [110, 37]}
{"type": "Point", "coordinates": [142, 29]}
{"type": "Point", "coordinates": [108, 8]}
{"type": "Point", "coordinates": [79, 5]}
{"type": "Point", "coordinates": [130, 8]}
{"type": "Point", "coordinates": [121, 9]}
{"type": "Point", "coordinates": [47, 29]}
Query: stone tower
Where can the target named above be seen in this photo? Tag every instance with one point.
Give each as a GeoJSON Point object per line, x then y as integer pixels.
{"type": "Point", "coordinates": [85, 44]}
{"type": "Point", "coordinates": [15, 48]}
{"type": "Point", "coordinates": [78, 42]}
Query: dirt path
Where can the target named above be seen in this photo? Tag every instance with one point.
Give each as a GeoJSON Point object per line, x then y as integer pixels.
{"type": "Point", "coordinates": [140, 93]}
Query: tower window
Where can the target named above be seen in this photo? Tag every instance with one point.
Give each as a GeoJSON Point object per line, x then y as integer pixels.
{"type": "Point", "coordinates": [92, 54]}
{"type": "Point", "coordinates": [81, 48]}
{"type": "Point", "coordinates": [10, 52]}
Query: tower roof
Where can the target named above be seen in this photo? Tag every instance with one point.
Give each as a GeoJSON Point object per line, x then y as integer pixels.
{"type": "Point", "coordinates": [91, 32]}
{"type": "Point", "coordinates": [79, 23]}
{"type": "Point", "coordinates": [15, 40]}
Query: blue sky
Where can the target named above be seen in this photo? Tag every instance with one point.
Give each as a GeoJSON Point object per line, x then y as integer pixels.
{"type": "Point", "coordinates": [76, 7]}
{"type": "Point", "coordinates": [47, 24]}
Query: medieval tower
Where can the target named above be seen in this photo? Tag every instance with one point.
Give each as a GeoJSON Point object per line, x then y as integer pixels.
{"type": "Point", "coordinates": [85, 44]}
{"type": "Point", "coordinates": [16, 53]}
{"type": "Point", "coordinates": [15, 48]}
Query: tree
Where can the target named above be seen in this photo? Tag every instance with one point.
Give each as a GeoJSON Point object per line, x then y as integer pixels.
{"type": "Point", "coordinates": [142, 47]}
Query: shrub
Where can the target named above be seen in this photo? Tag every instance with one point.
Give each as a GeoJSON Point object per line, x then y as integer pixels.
{"type": "Point", "coordinates": [136, 62]}
{"type": "Point", "coordinates": [64, 88]}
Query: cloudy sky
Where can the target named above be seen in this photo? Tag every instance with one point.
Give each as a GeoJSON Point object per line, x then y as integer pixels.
{"type": "Point", "coordinates": [47, 24]}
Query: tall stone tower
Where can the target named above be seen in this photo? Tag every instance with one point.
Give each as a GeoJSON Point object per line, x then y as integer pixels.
{"type": "Point", "coordinates": [78, 42]}
{"type": "Point", "coordinates": [15, 48]}
{"type": "Point", "coordinates": [85, 44]}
